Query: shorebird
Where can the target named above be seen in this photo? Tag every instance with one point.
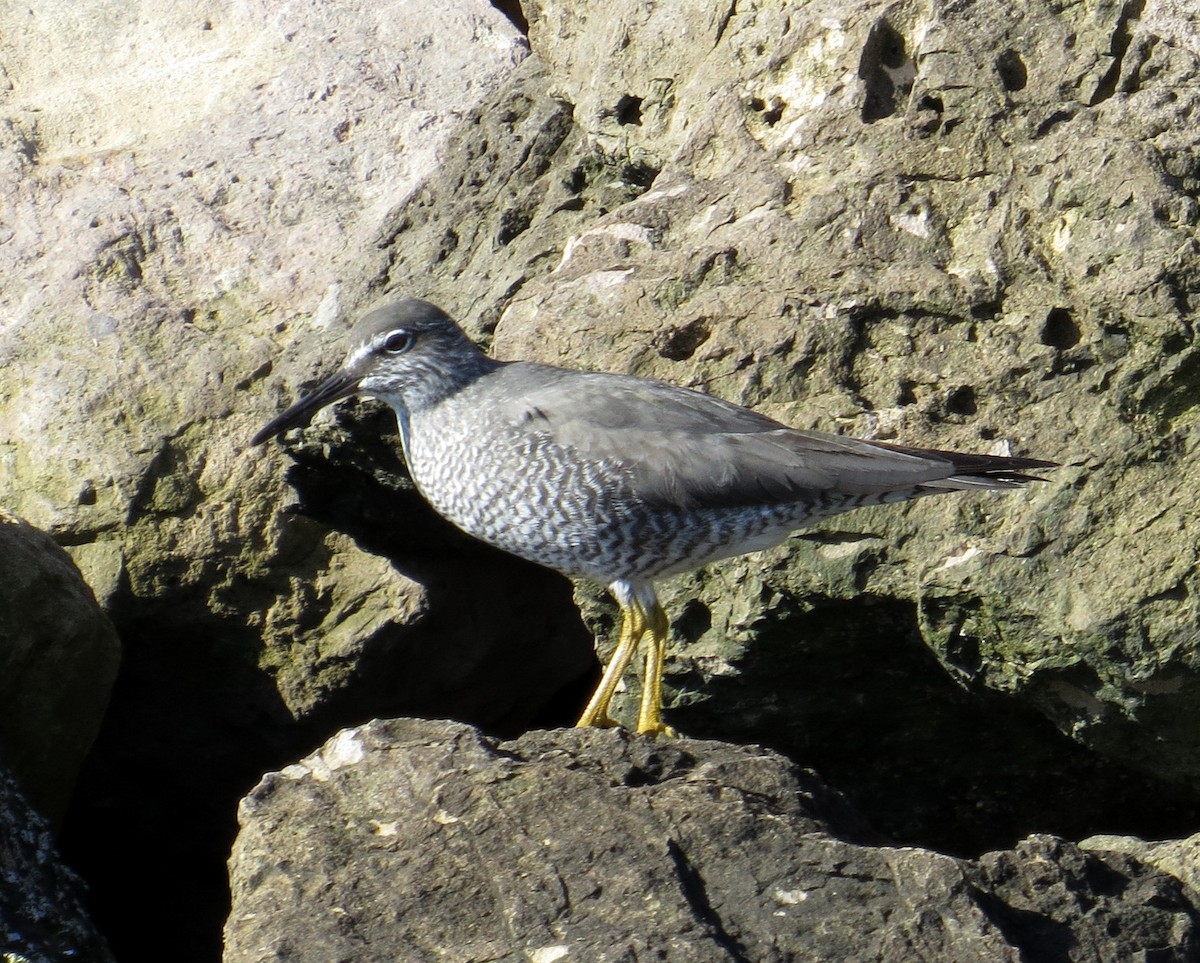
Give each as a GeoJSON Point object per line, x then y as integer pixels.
{"type": "Point", "coordinates": [614, 478]}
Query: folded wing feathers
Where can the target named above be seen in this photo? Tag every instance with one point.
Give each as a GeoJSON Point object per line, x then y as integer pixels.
{"type": "Point", "coordinates": [789, 465]}
{"type": "Point", "coordinates": [688, 449]}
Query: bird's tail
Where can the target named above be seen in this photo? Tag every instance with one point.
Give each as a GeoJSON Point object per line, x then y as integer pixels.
{"type": "Point", "coordinates": [979, 471]}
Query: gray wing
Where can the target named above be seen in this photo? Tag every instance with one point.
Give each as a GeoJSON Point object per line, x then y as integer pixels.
{"type": "Point", "coordinates": [691, 450]}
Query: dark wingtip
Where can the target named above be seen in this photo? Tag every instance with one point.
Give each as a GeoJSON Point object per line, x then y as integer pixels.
{"type": "Point", "coordinates": [1034, 464]}
{"type": "Point", "coordinates": [1001, 467]}
{"type": "Point", "coordinates": [998, 471]}
{"type": "Point", "coordinates": [1014, 470]}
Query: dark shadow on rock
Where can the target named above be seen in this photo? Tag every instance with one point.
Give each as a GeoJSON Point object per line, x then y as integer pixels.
{"type": "Point", "coordinates": [195, 721]}
{"type": "Point", "coordinates": [192, 724]}
{"type": "Point", "coordinates": [850, 690]}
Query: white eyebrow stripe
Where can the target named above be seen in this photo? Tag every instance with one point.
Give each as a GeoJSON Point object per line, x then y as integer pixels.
{"type": "Point", "coordinates": [360, 353]}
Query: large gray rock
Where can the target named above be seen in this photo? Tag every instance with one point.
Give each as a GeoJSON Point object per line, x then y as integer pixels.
{"type": "Point", "coordinates": [967, 225]}
{"type": "Point", "coordinates": [58, 659]}
{"type": "Point", "coordinates": [181, 183]}
{"type": "Point", "coordinates": [406, 840]}
{"type": "Point", "coordinates": [962, 227]}
{"type": "Point", "coordinates": [196, 179]}
{"type": "Point", "coordinates": [955, 227]}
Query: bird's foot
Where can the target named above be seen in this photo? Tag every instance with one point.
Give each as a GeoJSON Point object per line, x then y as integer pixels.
{"type": "Point", "coordinates": [597, 720]}
{"type": "Point", "coordinates": [657, 729]}
{"type": "Point", "coordinates": [653, 728]}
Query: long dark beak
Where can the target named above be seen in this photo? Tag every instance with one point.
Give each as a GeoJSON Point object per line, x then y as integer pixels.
{"type": "Point", "coordinates": [340, 385]}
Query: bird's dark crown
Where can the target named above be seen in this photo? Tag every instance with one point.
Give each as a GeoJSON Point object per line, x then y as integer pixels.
{"type": "Point", "coordinates": [410, 353]}
{"type": "Point", "coordinates": [410, 316]}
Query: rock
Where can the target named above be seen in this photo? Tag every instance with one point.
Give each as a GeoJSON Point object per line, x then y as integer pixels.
{"type": "Point", "coordinates": [58, 659]}
{"type": "Point", "coordinates": [1178, 857]}
{"type": "Point", "coordinates": [408, 840]}
{"type": "Point", "coordinates": [964, 225]}
{"type": "Point", "coordinates": [951, 228]}
{"type": "Point", "coordinates": [42, 915]}
{"type": "Point", "coordinates": [196, 180]}
{"type": "Point", "coordinates": [180, 186]}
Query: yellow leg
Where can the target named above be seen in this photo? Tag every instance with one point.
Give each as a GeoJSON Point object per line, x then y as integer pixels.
{"type": "Point", "coordinates": [641, 613]}
{"type": "Point", "coordinates": [650, 712]}
{"type": "Point", "coordinates": [633, 627]}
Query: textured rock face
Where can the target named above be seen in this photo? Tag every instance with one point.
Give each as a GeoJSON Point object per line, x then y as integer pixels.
{"type": "Point", "coordinates": [967, 226]}
{"type": "Point", "coordinates": [959, 227]}
{"type": "Point", "coordinates": [410, 840]}
{"type": "Point", "coordinates": [178, 185]}
{"type": "Point", "coordinates": [143, 175]}
{"type": "Point", "coordinates": [58, 658]}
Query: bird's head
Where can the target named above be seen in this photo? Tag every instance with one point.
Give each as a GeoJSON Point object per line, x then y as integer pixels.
{"type": "Point", "coordinates": [409, 354]}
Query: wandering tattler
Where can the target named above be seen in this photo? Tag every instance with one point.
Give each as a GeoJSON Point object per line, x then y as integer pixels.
{"type": "Point", "coordinates": [614, 478]}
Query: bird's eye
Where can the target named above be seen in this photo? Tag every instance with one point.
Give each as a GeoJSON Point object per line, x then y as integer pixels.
{"type": "Point", "coordinates": [398, 342]}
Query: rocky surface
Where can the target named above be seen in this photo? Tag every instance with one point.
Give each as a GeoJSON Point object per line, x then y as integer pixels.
{"type": "Point", "coordinates": [967, 226]}
{"type": "Point", "coordinates": [42, 914]}
{"type": "Point", "coordinates": [406, 840]}
{"type": "Point", "coordinates": [955, 227]}
{"type": "Point", "coordinates": [1179, 857]}
{"type": "Point", "coordinates": [958, 227]}
{"type": "Point", "coordinates": [178, 184]}
{"type": "Point", "coordinates": [58, 658]}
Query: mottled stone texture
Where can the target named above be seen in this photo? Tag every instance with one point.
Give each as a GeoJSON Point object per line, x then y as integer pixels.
{"type": "Point", "coordinates": [42, 914]}
{"type": "Point", "coordinates": [407, 840]}
{"type": "Point", "coordinates": [967, 225]}
{"type": "Point", "coordinates": [953, 226]}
